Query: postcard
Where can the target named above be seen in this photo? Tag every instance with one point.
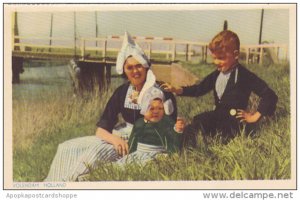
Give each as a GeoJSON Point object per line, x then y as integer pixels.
{"type": "Point", "coordinates": [149, 96]}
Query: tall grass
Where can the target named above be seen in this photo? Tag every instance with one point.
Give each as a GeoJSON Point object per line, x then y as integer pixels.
{"type": "Point", "coordinates": [43, 118]}
{"type": "Point", "coordinates": [46, 113]}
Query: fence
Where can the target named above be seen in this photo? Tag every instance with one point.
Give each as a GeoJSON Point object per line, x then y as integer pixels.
{"type": "Point", "coordinates": [158, 49]}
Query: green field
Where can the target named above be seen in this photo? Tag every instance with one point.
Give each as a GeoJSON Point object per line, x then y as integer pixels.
{"type": "Point", "coordinates": [46, 113]}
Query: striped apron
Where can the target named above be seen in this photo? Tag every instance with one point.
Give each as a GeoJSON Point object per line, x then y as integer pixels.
{"type": "Point", "coordinates": [143, 154]}
{"type": "Point", "coordinates": [75, 157]}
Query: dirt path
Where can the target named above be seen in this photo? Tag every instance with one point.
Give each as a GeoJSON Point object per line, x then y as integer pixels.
{"type": "Point", "coordinates": [174, 74]}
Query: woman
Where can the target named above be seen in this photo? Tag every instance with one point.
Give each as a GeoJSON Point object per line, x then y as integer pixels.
{"type": "Point", "coordinates": [75, 157]}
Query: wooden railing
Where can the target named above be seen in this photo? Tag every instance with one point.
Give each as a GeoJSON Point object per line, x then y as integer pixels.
{"type": "Point", "coordinates": [22, 45]}
{"type": "Point", "coordinates": [257, 53]}
{"type": "Point", "coordinates": [104, 49]}
{"type": "Point", "coordinates": [172, 46]}
{"type": "Point", "coordinates": [81, 49]}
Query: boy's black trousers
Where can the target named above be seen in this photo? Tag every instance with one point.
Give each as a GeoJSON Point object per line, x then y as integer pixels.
{"type": "Point", "coordinates": [218, 122]}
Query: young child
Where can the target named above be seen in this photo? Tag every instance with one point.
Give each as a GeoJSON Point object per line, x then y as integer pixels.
{"type": "Point", "coordinates": [232, 85]}
{"type": "Point", "coordinates": [156, 132]}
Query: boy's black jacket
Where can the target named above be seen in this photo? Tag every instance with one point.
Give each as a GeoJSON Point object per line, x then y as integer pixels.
{"type": "Point", "coordinates": [237, 91]}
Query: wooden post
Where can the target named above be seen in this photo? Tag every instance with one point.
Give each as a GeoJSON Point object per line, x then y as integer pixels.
{"type": "Point", "coordinates": [15, 32]}
{"type": "Point", "coordinates": [247, 55]}
{"type": "Point", "coordinates": [285, 53]}
{"type": "Point", "coordinates": [74, 71]}
{"type": "Point", "coordinates": [256, 59]}
{"type": "Point", "coordinates": [277, 52]}
{"type": "Point", "coordinates": [203, 53]}
{"type": "Point", "coordinates": [261, 55]}
{"type": "Point", "coordinates": [104, 50]}
{"type": "Point", "coordinates": [82, 48]}
{"type": "Point", "coordinates": [261, 26]}
{"type": "Point", "coordinates": [168, 54]}
{"type": "Point", "coordinates": [107, 75]}
{"type": "Point", "coordinates": [225, 26]}
{"type": "Point", "coordinates": [173, 51]}
{"type": "Point", "coordinates": [205, 57]}
{"type": "Point", "coordinates": [187, 52]}
{"type": "Point", "coordinates": [51, 25]}
{"type": "Point", "coordinates": [190, 52]}
{"type": "Point", "coordinates": [96, 22]}
{"type": "Point", "coordinates": [149, 50]}
{"type": "Point", "coordinates": [75, 36]}
{"type": "Point", "coordinates": [17, 68]}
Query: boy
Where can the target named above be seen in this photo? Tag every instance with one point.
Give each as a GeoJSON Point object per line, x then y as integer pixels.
{"type": "Point", "coordinates": [156, 132]}
{"type": "Point", "coordinates": [232, 85]}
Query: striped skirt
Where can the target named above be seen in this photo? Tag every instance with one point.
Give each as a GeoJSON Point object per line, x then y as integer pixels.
{"type": "Point", "coordinates": [142, 155]}
{"type": "Point", "coordinates": [75, 157]}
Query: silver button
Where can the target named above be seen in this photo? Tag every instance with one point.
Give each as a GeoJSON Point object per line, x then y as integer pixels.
{"type": "Point", "coordinates": [232, 112]}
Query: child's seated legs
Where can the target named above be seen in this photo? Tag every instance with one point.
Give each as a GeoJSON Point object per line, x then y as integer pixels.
{"type": "Point", "coordinates": [215, 123]}
{"type": "Point", "coordinates": [204, 123]}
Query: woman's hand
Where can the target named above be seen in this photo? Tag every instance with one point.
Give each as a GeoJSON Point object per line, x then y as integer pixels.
{"type": "Point", "coordinates": [120, 145]}
{"type": "Point", "coordinates": [169, 88]}
{"type": "Point", "coordinates": [180, 124]}
{"type": "Point", "coordinates": [247, 116]}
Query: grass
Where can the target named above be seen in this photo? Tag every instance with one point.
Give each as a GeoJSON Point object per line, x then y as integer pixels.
{"type": "Point", "coordinates": [45, 113]}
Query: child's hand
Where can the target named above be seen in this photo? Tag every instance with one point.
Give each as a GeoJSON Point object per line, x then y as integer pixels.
{"type": "Point", "coordinates": [247, 117]}
{"type": "Point", "coordinates": [180, 125]}
{"type": "Point", "coordinates": [169, 88]}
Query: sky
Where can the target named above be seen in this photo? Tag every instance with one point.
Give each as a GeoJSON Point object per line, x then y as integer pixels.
{"type": "Point", "coordinates": [191, 25]}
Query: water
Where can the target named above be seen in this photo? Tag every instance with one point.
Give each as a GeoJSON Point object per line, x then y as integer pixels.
{"type": "Point", "coordinates": [44, 80]}
{"type": "Point", "coordinates": [40, 81]}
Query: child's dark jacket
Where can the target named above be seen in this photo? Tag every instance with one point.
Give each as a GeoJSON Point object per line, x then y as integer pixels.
{"type": "Point", "coordinates": [237, 91]}
{"type": "Point", "coordinates": [161, 133]}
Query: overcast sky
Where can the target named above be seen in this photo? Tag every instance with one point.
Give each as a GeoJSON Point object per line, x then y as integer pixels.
{"type": "Point", "coordinates": [194, 25]}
